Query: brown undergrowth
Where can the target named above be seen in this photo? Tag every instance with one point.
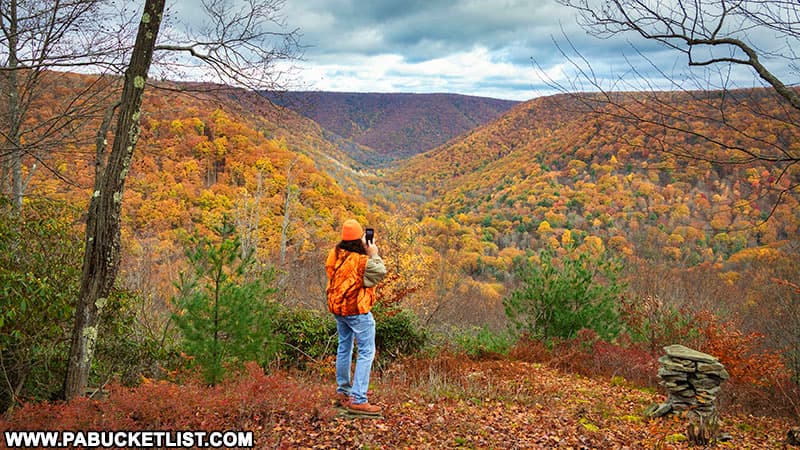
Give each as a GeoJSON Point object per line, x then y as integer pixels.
{"type": "Point", "coordinates": [430, 402]}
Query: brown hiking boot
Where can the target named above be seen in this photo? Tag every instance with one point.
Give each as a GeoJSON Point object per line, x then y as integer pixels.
{"type": "Point", "coordinates": [342, 400]}
{"type": "Point", "coordinates": [364, 408]}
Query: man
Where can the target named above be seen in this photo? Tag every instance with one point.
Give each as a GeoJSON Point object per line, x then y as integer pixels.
{"type": "Point", "coordinates": [354, 268]}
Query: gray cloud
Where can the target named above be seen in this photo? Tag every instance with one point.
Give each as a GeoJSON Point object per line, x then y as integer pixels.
{"type": "Point", "coordinates": [422, 29]}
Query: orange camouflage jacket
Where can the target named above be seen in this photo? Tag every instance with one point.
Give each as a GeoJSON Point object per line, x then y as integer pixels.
{"type": "Point", "coordinates": [351, 281]}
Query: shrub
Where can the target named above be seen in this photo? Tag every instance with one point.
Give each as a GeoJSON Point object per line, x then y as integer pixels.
{"type": "Point", "coordinates": [252, 401]}
{"type": "Point", "coordinates": [225, 318]}
{"type": "Point", "coordinates": [588, 355]}
{"type": "Point", "coordinates": [40, 264]}
{"type": "Point", "coordinates": [656, 324]}
{"type": "Point", "coordinates": [622, 358]}
{"type": "Point", "coordinates": [482, 342]}
{"type": "Point", "coordinates": [560, 297]}
{"type": "Point", "coordinates": [530, 350]}
{"type": "Point", "coordinates": [398, 334]}
{"type": "Point", "coordinates": [760, 381]}
{"type": "Point", "coordinates": [126, 350]}
{"type": "Point", "coordinates": [306, 336]}
{"type": "Point", "coordinates": [741, 353]}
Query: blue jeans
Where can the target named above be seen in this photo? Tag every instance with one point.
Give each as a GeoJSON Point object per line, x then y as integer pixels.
{"type": "Point", "coordinates": [360, 328]}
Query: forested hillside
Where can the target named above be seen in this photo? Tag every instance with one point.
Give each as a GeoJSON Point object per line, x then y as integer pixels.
{"type": "Point", "coordinates": [205, 157]}
{"type": "Point", "coordinates": [396, 125]}
{"type": "Point", "coordinates": [547, 168]}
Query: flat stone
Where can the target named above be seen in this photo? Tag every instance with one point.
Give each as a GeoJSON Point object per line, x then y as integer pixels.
{"type": "Point", "coordinates": [724, 437]}
{"type": "Point", "coordinates": [713, 391]}
{"type": "Point", "coordinates": [665, 373]}
{"type": "Point", "coordinates": [709, 367]}
{"type": "Point", "coordinates": [716, 377]}
{"type": "Point", "coordinates": [681, 406]}
{"type": "Point", "coordinates": [723, 377]}
{"type": "Point", "coordinates": [704, 384]}
{"type": "Point", "coordinates": [716, 370]}
{"type": "Point", "coordinates": [658, 410]}
{"type": "Point", "coordinates": [686, 391]}
{"type": "Point", "coordinates": [674, 387]}
{"type": "Point", "coordinates": [722, 374]}
{"type": "Point", "coordinates": [674, 365]}
{"type": "Point", "coordinates": [681, 352]}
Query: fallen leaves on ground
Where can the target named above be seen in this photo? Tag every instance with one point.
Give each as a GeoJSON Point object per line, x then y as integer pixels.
{"type": "Point", "coordinates": [443, 402]}
{"type": "Point", "coordinates": [503, 404]}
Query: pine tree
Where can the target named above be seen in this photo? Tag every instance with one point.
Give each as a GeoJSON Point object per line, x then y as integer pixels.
{"type": "Point", "coordinates": [560, 297]}
{"type": "Point", "coordinates": [224, 310]}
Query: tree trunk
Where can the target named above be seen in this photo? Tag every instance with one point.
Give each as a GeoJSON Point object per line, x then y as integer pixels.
{"type": "Point", "coordinates": [102, 253]}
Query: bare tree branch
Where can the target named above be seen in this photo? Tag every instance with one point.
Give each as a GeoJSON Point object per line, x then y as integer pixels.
{"type": "Point", "coordinates": [241, 45]}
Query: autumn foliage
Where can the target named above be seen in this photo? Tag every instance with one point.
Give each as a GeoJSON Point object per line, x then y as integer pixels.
{"type": "Point", "coordinates": [252, 400]}
{"type": "Point", "coordinates": [708, 253]}
{"type": "Point", "coordinates": [396, 125]}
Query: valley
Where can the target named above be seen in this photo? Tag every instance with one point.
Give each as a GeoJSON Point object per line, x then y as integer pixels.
{"type": "Point", "coordinates": [543, 174]}
{"type": "Point", "coordinates": [707, 244]}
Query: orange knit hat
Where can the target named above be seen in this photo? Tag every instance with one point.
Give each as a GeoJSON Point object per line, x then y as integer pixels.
{"type": "Point", "coordinates": [351, 230]}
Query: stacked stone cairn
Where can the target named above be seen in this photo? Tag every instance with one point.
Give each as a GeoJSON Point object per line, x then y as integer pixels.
{"type": "Point", "coordinates": [692, 380]}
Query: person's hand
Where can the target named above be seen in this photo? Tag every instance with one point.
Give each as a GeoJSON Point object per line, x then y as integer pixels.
{"type": "Point", "coordinates": [372, 249]}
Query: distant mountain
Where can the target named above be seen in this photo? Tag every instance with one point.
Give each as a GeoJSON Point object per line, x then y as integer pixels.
{"type": "Point", "coordinates": [396, 125]}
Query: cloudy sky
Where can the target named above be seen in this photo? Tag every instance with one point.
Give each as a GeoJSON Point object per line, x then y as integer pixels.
{"type": "Point", "coordinates": [474, 47]}
{"type": "Point", "coordinates": [491, 48]}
